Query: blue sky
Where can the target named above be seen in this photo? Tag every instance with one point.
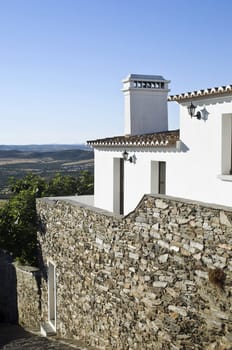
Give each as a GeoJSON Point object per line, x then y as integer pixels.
{"type": "Point", "coordinates": [62, 61]}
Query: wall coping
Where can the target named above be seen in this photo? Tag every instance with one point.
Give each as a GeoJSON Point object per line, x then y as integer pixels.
{"type": "Point", "coordinates": [54, 200]}
{"type": "Point", "coordinates": [31, 270]}
{"type": "Point", "coordinates": [190, 201]}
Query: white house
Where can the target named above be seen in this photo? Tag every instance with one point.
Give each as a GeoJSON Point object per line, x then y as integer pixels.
{"type": "Point", "coordinates": [194, 162]}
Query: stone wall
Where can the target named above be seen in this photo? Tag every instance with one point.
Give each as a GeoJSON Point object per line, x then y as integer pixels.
{"type": "Point", "coordinates": [19, 293]}
{"type": "Point", "coordinates": [160, 278]}
{"type": "Point", "coordinates": [8, 294]}
{"type": "Point", "coordinates": [28, 296]}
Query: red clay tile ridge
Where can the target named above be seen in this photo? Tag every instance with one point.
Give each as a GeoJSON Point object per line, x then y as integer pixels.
{"type": "Point", "coordinates": [158, 139]}
{"type": "Point", "coordinates": [214, 92]}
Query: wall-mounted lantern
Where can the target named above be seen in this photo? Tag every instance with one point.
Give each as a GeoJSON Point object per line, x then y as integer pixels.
{"type": "Point", "coordinates": [126, 157]}
{"type": "Point", "coordinates": [191, 111]}
{"type": "Point", "coordinates": [203, 114]}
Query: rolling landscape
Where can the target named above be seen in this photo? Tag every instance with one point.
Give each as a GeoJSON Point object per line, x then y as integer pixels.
{"type": "Point", "coordinates": [44, 160]}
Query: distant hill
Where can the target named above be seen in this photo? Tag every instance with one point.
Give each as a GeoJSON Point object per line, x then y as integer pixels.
{"type": "Point", "coordinates": [61, 155]}
{"type": "Point", "coordinates": [43, 160]}
{"type": "Point", "coordinates": [44, 148]}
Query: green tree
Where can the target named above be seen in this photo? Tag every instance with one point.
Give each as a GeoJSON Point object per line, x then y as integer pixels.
{"type": "Point", "coordinates": [61, 185]}
{"type": "Point", "coordinates": [18, 230]}
{"type": "Point", "coordinates": [31, 182]}
{"type": "Point", "coordinates": [85, 183]}
{"type": "Point", "coordinates": [18, 221]}
{"type": "Point", "coordinates": [65, 185]}
{"type": "Point", "coordinates": [18, 227]}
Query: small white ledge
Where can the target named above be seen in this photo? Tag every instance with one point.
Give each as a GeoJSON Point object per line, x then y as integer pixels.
{"type": "Point", "coordinates": [225, 177]}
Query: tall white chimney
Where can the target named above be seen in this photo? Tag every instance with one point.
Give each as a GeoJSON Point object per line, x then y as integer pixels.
{"type": "Point", "coordinates": [145, 104]}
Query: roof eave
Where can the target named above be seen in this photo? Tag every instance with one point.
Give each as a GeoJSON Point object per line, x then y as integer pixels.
{"type": "Point", "coordinates": [202, 94]}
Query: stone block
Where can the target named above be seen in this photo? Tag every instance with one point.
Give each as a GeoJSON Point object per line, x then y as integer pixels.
{"type": "Point", "coordinates": [189, 248]}
{"type": "Point", "coordinates": [160, 284]}
{"type": "Point", "coordinates": [161, 204]}
{"type": "Point", "coordinates": [180, 310]}
{"type": "Point", "coordinates": [118, 254]}
{"type": "Point", "coordinates": [163, 244]}
{"type": "Point", "coordinates": [163, 258]}
{"type": "Point", "coordinates": [174, 248]}
{"type": "Point", "coordinates": [155, 226]}
{"type": "Point", "coordinates": [99, 241]}
{"type": "Point", "coordinates": [133, 256]}
{"type": "Point", "coordinates": [197, 245]}
{"type": "Point", "coordinates": [224, 219]}
{"type": "Point", "coordinates": [201, 274]}
{"type": "Point", "coordinates": [182, 221]}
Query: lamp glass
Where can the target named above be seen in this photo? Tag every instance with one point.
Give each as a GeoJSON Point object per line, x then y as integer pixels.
{"type": "Point", "coordinates": [125, 155]}
{"type": "Point", "coordinates": [191, 109]}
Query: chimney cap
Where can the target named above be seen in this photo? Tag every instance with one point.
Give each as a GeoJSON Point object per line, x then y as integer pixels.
{"type": "Point", "coordinates": [144, 77]}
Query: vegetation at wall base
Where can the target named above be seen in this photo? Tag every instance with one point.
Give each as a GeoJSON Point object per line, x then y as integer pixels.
{"type": "Point", "coordinates": [18, 220]}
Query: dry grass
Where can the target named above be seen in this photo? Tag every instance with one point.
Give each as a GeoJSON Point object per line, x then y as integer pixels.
{"type": "Point", "coordinates": [6, 161]}
{"type": "Point", "coordinates": [79, 162]}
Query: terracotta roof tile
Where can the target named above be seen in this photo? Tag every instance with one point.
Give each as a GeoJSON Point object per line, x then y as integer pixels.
{"type": "Point", "coordinates": [159, 139]}
{"type": "Point", "coordinates": [216, 91]}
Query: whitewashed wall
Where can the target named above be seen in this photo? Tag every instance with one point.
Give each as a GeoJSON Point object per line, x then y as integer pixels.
{"type": "Point", "coordinates": [137, 177]}
{"type": "Point", "coordinates": [103, 179]}
{"type": "Point", "coordinates": [145, 111]}
{"type": "Point", "coordinates": [198, 171]}
{"type": "Point", "coordinates": [193, 172]}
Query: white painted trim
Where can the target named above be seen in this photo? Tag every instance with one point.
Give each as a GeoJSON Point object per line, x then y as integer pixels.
{"type": "Point", "coordinates": [154, 177]}
{"type": "Point", "coordinates": [225, 177]}
{"type": "Point", "coordinates": [52, 324]}
{"type": "Point", "coordinates": [116, 185]}
{"type": "Point", "coordinates": [226, 143]}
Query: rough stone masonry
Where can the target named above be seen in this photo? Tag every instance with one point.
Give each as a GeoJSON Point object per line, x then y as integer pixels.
{"type": "Point", "coordinates": [159, 278]}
